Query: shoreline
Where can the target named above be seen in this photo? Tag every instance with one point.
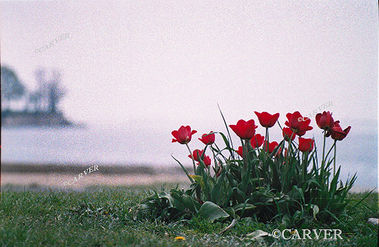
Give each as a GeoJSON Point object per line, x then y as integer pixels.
{"type": "Point", "coordinates": [79, 176]}
{"type": "Point", "coordinates": [68, 181]}
{"type": "Point", "coordinates": [50, 168]}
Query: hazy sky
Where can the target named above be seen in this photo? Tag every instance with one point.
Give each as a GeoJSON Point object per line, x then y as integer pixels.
{"type": "Point", "coordinates": [170, 62]}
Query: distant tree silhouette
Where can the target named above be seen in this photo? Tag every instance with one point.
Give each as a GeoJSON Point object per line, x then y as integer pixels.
{"type": "Point", "coordinates": [55, 91]}
{"type": "Point", "coordinates": [45, 98]}
{"type": "Point", "coordinates": [34, 101]}
{"type": "Point", "coordinates": [11, 87]}
{"type": "Point", "coordinates": [38, 96]}
{"type": "Point", "coordinates": [48, 93]}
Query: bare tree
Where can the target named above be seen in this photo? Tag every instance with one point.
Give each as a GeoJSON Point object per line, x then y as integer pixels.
{"type": "Point", "coordinates": [49, 91]}
{"type": "Point", "coordinates": [11, 86]}
{"type": "Point", "coordinates": [34, 101]}
{"type": "Point", "coordinates": [55, 91]}
{"type": "Point", "coordinates": [38, 97]}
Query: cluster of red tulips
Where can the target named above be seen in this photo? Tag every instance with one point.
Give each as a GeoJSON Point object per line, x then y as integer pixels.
{"type": "Point", "coordinates": [184, 135]}
{"type": "Point", "coordinates": [268, 181]}
{"type": "Point", "coordinates": [297, 125]}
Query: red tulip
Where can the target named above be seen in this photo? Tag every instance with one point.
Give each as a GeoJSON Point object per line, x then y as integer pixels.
{"type": "Point", "coordinates": [266, 119]}
{"type": "Point", "coordinates": [271, 146]}
{"type": "Point", "coordinates": [208, 139]}
{"type": "Point", "coordinates": [196, 154]}
{"type": "Point", "coordinates": [257, 141]}
{"type": "Point", "coordinates": [245, 130]}
{"type": "Point", "coordinates": [298, 123]}
{"type": "Point", "coordinates": [337, 133]}
{"type": "Point", "coordinates": [183, 135]}
{"type": "Point", "coordinates": [325, 120]}
{"type": "Point", "coordinates": [305, 144]}
{"type": "Point", "coordinates": [207, 161]}
{"type": "Point", "coordinates": [240, 151]}
{"type": "Point", "coordinates": [288, 133]}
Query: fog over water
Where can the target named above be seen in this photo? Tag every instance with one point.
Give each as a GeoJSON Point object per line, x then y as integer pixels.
{"type": "Point", "coordinates": [152, 147]}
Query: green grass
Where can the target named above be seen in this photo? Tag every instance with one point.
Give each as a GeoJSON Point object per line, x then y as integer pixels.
{"type": "Point", "coordinates": [103, 216]}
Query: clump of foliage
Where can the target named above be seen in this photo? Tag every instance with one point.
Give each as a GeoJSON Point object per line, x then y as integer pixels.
{"type": "Point", "coordinates": [281, 182]}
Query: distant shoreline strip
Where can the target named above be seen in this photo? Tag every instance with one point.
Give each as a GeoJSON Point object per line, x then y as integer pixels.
{"type": "Point", "coordinates": [74, 169]}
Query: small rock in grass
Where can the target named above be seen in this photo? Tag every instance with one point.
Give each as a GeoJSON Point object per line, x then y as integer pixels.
{"type": "Point", "coordinates": [373, 221]}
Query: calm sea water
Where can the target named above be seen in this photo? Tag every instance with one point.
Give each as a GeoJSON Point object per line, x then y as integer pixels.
{"type": "Point", "coordinates": [358, 153]}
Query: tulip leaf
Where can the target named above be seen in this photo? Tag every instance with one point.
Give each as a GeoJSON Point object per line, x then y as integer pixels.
{"type": "Point", "coordinates": [226, 125]}
{"type": "Point", "coordinates": [164, 195]}
{"type": "Point", "coordinates": [198, 179]}
{"type": "Point", "coordinates": [182, 202]}
{"type": "Point", "coordinates": [212, 212]}
{"type": "Point", "coordinates": [234, 221]}
{"type": "Point", "coordinates": [244, 206]}
{"type": "Point", "coordinates": [184, 169]}
{"type": "Point", "coordinates": [257, 234]}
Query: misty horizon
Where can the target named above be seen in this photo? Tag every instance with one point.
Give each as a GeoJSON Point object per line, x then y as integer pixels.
{"type": "Point", "coordinates": [125, 62]}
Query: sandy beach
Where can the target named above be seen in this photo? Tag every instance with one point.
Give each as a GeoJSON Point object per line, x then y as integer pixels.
{"type": "Point", "coordinates": [79, 176]}
{"type": "Point", "coordinates": [65, 180]}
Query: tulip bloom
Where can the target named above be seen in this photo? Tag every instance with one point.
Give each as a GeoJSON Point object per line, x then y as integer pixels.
{"type": "Point", "coordinates": [305, 144]}
{"type": "Point", "coordinates": [245, 130]}
{"type": "Point", "coordinates": [288, 133]}
{"type": "Point", "coordinates": [337, 133]}
{"type": "Point", "coordinates": [266, 119]}
{"type": "Point", "coordinates": [257, 141]}
{"type": "Point", "coordinates": [208, 139]}
{"type": "Point", "coordinates": [196, 154]}
{"type": "Point", "coordinates": [324, 120]}
{"type": "Point", "coordinates": [183, 135]}
{"type": "Point", "coordinates": [240, 151]}
{"type": "Point", "coordinates": [207, 161]}
{"type": "Point", "coordinates": [271, 146]}
{"type": "Point", "coordinates": [298, 123]}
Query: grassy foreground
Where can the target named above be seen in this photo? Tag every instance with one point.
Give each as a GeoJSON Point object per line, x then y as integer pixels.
{"type": "Point", "coordinates": [103, 216]}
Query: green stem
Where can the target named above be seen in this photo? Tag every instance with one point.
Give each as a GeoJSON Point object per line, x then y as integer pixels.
{"type": "Point", "coordinates": [334, 160]}
{"type": "Point", "coordinates": [290, 149]}
{"type": "Point", "coordinates": [193, 160]}
{"type": "Point", "coordinates": [323, 150]}
{"type": "Point", "coordinates": [198, 192]}
{"type": "Point", "coordinates": [214, 157]}
{"type": "Point", "coordinates": [245, 153]}
{"type": "Point", "coordinates": [305, 160]}
{"type": "Point", "coordinates": [331, 148]}
{"type": "Point", "coordinates": [267, 140]}
{"type": "Point", "coordinates": [323, 159]}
